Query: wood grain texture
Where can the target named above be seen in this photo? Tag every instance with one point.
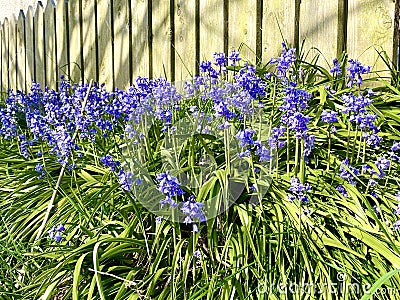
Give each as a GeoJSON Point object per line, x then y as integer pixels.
{"type": "Point", "coordinates": [12, 53]}
{"type": "Point", "coordinates": [161, 39]}
{"type": "Point", "coordinates": [50, 45]}
{"type": "Point", "coordinates": [38, 21]}
{"type": "Point", "coordinates": [140, 39]}
{"type": "Point", "coordinates": [21, 53]}
{"type": "Point", "coordinates": [211, 28]}
{"type": "Point", "coordinates": [185, 43]}
{"type": "Point", "coordinates": [29, 48]}
{"type": "Point", "coordinates": [62, 38]}
{"type": "Point", "coordinates": [89, 39]}
{"type": "Point", "coordinates": [242, 28]}
{"type": "Point", "coordinates": [105, 58]}
{"type": "Point", "coordinates": [319, 29]}
{"type": "Point", "coordinates": [278, 22]}
{"type": "Point", "coordinates": [121, 10]}
{"type": "Point", "coordinates": [75, 44]}
{"type": "Point", "coordinates": [4, 55]}
{"type": "Point", "coordinates": [370, 27]}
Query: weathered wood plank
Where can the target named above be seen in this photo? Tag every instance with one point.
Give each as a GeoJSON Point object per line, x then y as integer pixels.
{"type": "Point", "coordinates": [105, 59]}
{"type": "Point", "coordinates": [62, 38]}
{"type": "Point", "coordinates": [50, 45]}
{"type": "Point", "coordinates": [12, 54]}
{"type": "Point", "coordinates": [38, 21]}
{"type": "Point", "coordinates": [140, 39]}
{"type": "Point", "coordinates": [29, 46]}
{"type": "Point", "coordinates": [370, 27]}
{"type": "Point", "coordinates": [21, 56]}
{"type": "Point", "coordinates": [211, 28]}
{"type": "Point", "coordinates": [242, 28]}
{"type": "Point", "coordinates": [121, 10]}
{"type": "Point", "coordinates": [4, 55]}
{"type": "Point", "coordinates": [185, 39]}
{"type": "Point", "coordinates": [89, 39]}
{"type": "Point", "coordinates": [161, 38]}
{"type": "Point", "coordinates": [319, 29]}
{"type": "Point", "coordinates": [278, 21]}
{"type": "Point", "coordinates": [75, 45]}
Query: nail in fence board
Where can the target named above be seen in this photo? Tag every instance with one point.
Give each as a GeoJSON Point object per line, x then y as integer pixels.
{"type": "Point", "coordinates": [89, 39]}
{"type": "Point", "coordinates": [105, 59]}
{"type": "Point", "coordinates": [50, 46]}
{"type": "Point", "coordinates": [38, 22]}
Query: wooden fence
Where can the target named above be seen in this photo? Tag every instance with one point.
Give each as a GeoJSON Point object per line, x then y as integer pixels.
{"type": "Point", "coordinates": [114, 41]}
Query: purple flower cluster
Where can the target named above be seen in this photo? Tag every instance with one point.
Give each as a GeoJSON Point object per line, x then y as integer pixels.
{"type": "Point", "coordinates": [355, 71]}
{"type": "Point", "coordinates": [109, 162]}
{"type": "Point", "coordinates": [336, 68]}
{"type": "Point", "coordinates": [395, 148]}
{"type": "Point", "coordinates": [284, 62]}
{"type": "Point", "coordinates": [348, 172]}
{"type": "Point", "coordinates": [192, 210]}
{"type": "Point", "coordinates": [55, 233]}
{"type": "Point", "coordinates": [125, 179]}
{"type": "Point", "coordinates": [39, 169]}
{"type": "Point", "coordinates": [170, 186]}
{"type": "Point", "coordinates": [298, 190]}
{"type": "Point", "coordinates": [329, 117]}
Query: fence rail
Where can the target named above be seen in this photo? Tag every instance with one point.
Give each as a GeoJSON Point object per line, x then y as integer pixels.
{"type": "Point", "coordinates": [114, 41]}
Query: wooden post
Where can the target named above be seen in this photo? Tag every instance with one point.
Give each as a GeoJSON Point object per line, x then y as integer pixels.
{"type": "Point", "coordinates": [75, 41]}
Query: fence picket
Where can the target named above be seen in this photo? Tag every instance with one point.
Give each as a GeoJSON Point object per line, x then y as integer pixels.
{"type": "Point", "coordinates": [21, 57]}
{"type": "Point", "coordinates": [38, 21]}
{"type": "Point", "coordinates": [161, 39]}
{"type": "Point", "coordinates": [243, 31]}
{"type": "Point", "coordinates": [75, 46]}
{"type": "Point", "coordinates": [185, 39]}
{"type": "Point", "coordinates": [29, 48]}
{"type": "Point", "coordinates": [122, 63]}
{"type": "Point", "coordinates": [62, 38]}
{"type": "Point", "coordinates": [12, 54]}
{"type": "Point", "coordinates": [105, 58]}
{"type": "Point", "coordinates": [278, 22]}
{"type": "Point", "coordinates": [89, 39]}
{"type": "Point", "coordinates": [4, 55]}
{"type": "Point", "coordinates": [370, 26]}
{"type": "Point", "coordinates": [50, 45]}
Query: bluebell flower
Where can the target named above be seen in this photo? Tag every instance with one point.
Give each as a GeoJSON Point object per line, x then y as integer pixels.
{"type": "Point", "coordinates": [234, 57]}
{"type": "Point", "coordinates": [285, 61]}
{"type": "Point", "coordinates": [125, 179]}
{"type": "Point", "coordinates": [55, 233]}
{"type": "Point", "coordinates": [348, 174]}
{"type": "Point", "coordinates": [336, 68]}
{"type": "Point", "coordinates": [341, 189]}
{"type": "Point", "coordinates": [329, 117]}
{"type": "Point", "coordinates": [169, 185]}
{"type": "Point", "coordinates": [220, 59]}
{"type": "Point", "coordinates": [355, 71]}
{"type": "Point", "coordinates": [245, 137]}
{"type": "Point", "coordinates": [197, 254]}
{"type": "Point", "coordinates": [299, 190]}
{"type": "Point", "coordinates": [109, 162]}
{"type": "Point", "coordinates": [396, 225]}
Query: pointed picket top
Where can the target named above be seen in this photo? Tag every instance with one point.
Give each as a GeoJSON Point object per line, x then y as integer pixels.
{"type": "Point", "coordinates": [29, 46]}
{"type": "Point", "coordinates": [39, 45]}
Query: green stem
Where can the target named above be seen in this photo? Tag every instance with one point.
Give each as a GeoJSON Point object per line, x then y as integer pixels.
{"type": "Point", "coordinates": [329, 149]}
